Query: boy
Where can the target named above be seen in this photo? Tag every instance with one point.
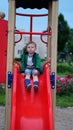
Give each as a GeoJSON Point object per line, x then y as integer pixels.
{"type": "Point", "coordinates": [31, 65]}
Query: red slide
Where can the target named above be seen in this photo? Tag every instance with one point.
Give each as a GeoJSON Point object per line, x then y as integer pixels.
{"type": "Point", "coordinates": [31, 110]}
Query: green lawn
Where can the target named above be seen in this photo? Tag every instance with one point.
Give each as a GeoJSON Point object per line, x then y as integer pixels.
{"type": "Point", "coordinates": [2, 99]}
{"type": "Point", "coordinates": [64, 100]}
{"type": "Point", "coordinates": [2, 96]}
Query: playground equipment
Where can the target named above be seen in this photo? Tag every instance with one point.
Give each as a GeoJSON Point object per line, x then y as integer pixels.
{"type": "Point", "coordinates": [31, 110]}
{"type": "Point", "coordinates": [42, 120]}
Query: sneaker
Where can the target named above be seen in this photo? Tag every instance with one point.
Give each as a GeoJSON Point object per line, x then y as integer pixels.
{"type": "Point", "coordinates": [36, 86]}
{"type": "Point", "coordinates": [28, 85]}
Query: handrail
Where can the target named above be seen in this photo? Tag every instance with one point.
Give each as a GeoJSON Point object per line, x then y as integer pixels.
{"type": "Point", "coordinates": [31, 19]}
{"type": "Point", "coordinates": [34, 33]}
{"type": "Point", "coordinates": [18, 64]}
{"type": "Point", "coordinates": [20, 36]}
{"type": "Point", "coordinates": [47, 62]}
{"type": "Point", "coordinates": [33, 15]}
{"type": "Point", "coordinates": [49, 31]}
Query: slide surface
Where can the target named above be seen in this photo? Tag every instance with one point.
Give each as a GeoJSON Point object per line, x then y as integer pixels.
{"type": "Point", "coordinates": [31, 110]}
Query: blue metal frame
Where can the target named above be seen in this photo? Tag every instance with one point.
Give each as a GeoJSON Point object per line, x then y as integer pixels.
{"type": "Point", "coordinates": [10, 77]}
{"type": "Point", "coordinates": [52, 79]}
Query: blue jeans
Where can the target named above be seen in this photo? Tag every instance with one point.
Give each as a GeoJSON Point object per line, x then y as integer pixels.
{"type": "Point", "coordinates": [30, 71]}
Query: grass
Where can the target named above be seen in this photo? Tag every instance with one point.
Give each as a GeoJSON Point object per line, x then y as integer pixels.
{"type": "Point", "coordinates": [2, 96]}
{"type": "Point", "coordinates": [64, 100]}
{"type": "Point", "coordinates": [2, 99]}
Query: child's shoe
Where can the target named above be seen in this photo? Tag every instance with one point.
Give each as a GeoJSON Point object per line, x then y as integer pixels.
{"type": "Point", "coordinates": [28, 85]}
{"type": "Point", "coordinates": [36, 86]}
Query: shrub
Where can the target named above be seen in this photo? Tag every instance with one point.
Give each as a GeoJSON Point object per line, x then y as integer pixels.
{"type": "Point", "coordinates": [64, 85]}
{"type": "Point", "coordinates": [64, 69]}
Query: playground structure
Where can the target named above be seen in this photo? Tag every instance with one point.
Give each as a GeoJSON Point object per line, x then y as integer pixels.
{"type": "Point", "coordinates": [42, 117]}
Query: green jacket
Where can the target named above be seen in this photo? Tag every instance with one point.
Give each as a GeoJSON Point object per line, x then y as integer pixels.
{"type": "Point", "coordinates": [36, 62]}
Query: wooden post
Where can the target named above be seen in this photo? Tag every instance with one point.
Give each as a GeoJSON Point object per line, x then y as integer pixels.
{"type": "Point", "coordinates": [53, 22]}
{"type": "Point", "coordinates": [10, 56]}
{"type": "Point", "coordinates": [49, 25]}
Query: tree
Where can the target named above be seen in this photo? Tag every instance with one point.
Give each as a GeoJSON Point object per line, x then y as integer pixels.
{"type": "Point", "coordinates": [69, 45]}
{"type": "Point", "coordinates": [63, 32]}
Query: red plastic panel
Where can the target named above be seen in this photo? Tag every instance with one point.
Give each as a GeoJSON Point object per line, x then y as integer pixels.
{"type": "Point", "coordinates": [3, 49]}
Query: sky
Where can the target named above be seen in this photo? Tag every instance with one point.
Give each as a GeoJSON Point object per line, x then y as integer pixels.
{"type": "Point", "coordinates": [65, 7]}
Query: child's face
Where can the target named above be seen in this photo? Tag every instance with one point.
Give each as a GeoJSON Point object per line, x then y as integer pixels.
{"type": "Point", "coordinates": [31, 48]}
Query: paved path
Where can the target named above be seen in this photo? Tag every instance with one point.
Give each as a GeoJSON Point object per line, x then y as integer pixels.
{"type": "Point", "coordinates": [64, 118]}
{"type": "Point", "coordinates": [2, 117]}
